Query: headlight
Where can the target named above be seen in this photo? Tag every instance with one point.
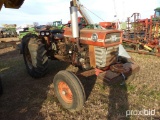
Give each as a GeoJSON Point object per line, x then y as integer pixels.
{"type": "Point", "coordinates": [113, 37]}
{"type": "Point", "coordinates": [47, 33]}
{"type": "Point", "coordinates": [42, 33]}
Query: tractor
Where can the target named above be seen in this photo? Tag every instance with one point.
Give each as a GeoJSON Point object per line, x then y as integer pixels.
{"type": "Point", "coordinates": [57, 25]}
{"type": "Point", "coordinates": [94, 50]}
{"type": "Point", "coordinates": [26, 30]}
{"type": "Point", "coordinates": [157, 14]}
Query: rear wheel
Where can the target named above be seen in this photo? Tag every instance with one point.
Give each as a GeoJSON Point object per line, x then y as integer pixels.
{"type": "Point", "coordinates": [34, 55]}
{"type": "Point", "coordinates": [69, 91]}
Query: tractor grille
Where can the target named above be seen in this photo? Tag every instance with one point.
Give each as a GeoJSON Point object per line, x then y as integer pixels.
{"type": "Point", "coordinates": [112, 38]}
{"type": "Point", "coordinates": [105, 56]}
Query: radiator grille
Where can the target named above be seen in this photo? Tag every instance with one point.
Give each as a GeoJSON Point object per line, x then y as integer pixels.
{"type": "Point", "coordinates": [105, 56]}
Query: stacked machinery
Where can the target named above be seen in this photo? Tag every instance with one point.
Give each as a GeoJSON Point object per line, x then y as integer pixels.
{"type": "Point", "coordinates": [143, 35]}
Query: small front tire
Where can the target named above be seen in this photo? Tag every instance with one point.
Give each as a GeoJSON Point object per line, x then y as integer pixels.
{"type": "Point", "coordinates": [69, 91]}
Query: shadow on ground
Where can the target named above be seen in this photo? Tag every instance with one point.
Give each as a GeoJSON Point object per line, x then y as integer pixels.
{"type": "Point", "coordinates": [23, 96]}
{"type": "Point", "coordinates": [26, 98]}
{"type": "Point", "coordinates": [118, 103]}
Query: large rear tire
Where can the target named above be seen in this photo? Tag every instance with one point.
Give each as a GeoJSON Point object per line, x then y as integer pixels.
{"type": "Point", "coordinates": [69, 91]}
{"type": "Point", "coordinates": [34, 55]}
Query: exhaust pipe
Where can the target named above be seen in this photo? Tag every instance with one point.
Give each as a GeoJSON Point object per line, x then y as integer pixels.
{"type": "Point", "coordinates": [74, 22]}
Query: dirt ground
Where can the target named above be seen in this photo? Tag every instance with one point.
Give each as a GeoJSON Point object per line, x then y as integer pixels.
{"type": "Point", "coordinates": [26, 98]}
{"type": "Point", "coordinates": [9, 42]}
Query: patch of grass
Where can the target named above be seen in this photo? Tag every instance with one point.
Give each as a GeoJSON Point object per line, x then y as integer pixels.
{"type": "Point", "coordinates": [100, 86]}
{"type": "Point", "coordinates": [154, 94]}
{"type": "Point", "coordinates": [131, 88]}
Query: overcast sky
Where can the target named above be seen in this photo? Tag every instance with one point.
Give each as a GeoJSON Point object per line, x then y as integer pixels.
{"type": "Point", "coordinates": [44, 11]}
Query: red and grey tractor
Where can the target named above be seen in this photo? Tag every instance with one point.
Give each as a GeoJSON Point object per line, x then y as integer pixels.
{"type": "Point", "coordinates": [93, 50]}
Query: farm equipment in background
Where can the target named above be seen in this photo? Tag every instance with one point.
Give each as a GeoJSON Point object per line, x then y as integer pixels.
{"type": "Point", "coordinates": [143, 35]}
{"type": "Point", "coordinates": [8, 36]}
{"type": "Point", "coordinates": [81, 22]}
{"type": "Point", "coordinates": [30, 29]}
{"type": "Point", "coordinates": [108, 25]}
{"type": "Point", "coordinates": [57, 25]}
{"type": "Point", "coordinates": [94, 50]}
{"type": "Point", "coordinates": [156, 14]}
{"type": "Point", "coordinates": [8, 30]}
{"type": "Point", "coordinates": [25, 31]}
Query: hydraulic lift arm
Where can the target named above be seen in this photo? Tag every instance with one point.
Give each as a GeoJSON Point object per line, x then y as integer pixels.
{"type": "Point", "coordinates": [83, 12]}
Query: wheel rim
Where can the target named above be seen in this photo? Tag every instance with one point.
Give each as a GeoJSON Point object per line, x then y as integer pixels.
{"type": "Point", "coordinates": [65, 92]}
{"type": "Point", "coordinates": [28, 58]}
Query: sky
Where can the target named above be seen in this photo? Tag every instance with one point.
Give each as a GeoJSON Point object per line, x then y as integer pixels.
{"type": "Point", "coordinates": [44, 11]}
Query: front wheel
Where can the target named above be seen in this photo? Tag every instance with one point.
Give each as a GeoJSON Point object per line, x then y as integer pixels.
{"type": "Point", "coordinates": [69, 91]}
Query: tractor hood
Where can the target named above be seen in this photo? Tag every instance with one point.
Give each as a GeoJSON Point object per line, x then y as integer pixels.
{"type": "Point", "coordinates": [96, 37]}
{"type": "Point", "coordinates": [15, 4]}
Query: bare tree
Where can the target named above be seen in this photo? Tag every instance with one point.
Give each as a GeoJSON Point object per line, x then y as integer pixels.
{"type": "Point", "coordinates": [35, 24]}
